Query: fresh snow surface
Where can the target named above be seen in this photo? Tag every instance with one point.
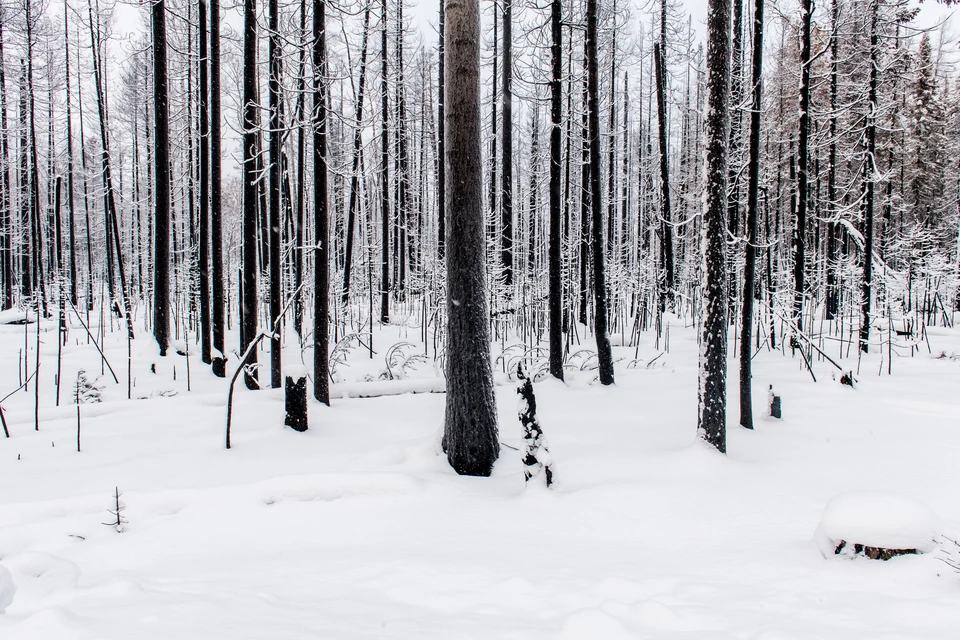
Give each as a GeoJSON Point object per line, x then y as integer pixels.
{"type": "Point", "coordinates": [877, 519]}
{"type": "Point", "coordinates": [7, 588]}
{"type": "Point", "coordinates": [359, 529]}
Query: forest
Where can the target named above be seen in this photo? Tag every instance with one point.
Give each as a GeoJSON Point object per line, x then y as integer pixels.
{"type": "Point", "coordinates": [349, 215]}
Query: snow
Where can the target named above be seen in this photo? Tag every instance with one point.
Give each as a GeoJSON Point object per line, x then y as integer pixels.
{"type": "Point", "coordinates": [7, 588]}
{"type": "Point", "coordinates": [877, 519]}
{"type": "Point", "coordinates": [359, 529]}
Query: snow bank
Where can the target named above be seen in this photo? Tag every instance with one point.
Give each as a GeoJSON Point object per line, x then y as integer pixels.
{"type": "Point", "coordinates": [876, 519]}
{"type": "Point", "coordinates": [7, 589]}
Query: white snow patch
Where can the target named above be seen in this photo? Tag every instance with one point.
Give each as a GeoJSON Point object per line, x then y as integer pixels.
{"type": "Point", "coordinates": [877, 519]}
{"type": "Point", "coordinates": [7, 588]}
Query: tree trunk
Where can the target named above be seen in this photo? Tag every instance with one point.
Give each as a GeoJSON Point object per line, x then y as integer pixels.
{"type": "Point", "coordinates": [666, 215]}
{"type": "Point", "coordinates": [204, 226]}
{"type": "Point", "coordinates": [556, 96]}
{"type": "Point", "coordinates": [384, 173]}
{"type": "Point", "coordinates": [161, 252]}
{"type": "Point", "coordinates": [321, 282]}
{"type": "Point", "coordinates": [713, 347]}
{"type": "Point", "coordinates": [753, 192]}
{"type": "Point", "coordinates": [470, 434]}
{"type": "Point", "coordinates": [216, 216]}
{"type": "Point", "coordinates": [6, 197]}
{"type": "Point", "coordinates": [273, 96]}
{"type": "Point", "coordinates": [604, 352]}
{"type": "Point", "coordinates": [250, 271]}
{"type": "Point", "coordinates": [506, 164]}
{"type": "Point", "coordinates": [870, 173]}
{"type": "Point", "coordinates": [803, 135]}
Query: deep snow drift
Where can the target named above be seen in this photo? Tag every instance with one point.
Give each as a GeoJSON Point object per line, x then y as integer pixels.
{"type": "Point", "coordinates": [359, 529]}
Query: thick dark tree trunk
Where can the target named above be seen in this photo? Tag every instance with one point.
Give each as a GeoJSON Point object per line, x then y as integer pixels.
{"type": "Point", "coordinates": [442, 137]}
{"type": "Point", "coordinates": [666, 223]}
{"type": "Point", "coordinates": [3, 154]}
{"type": "Point", "coordinates": [321, 265]}
{"type": "Point", "coordinates": [250, 270]}
{"type": "Point", "coordinates": [604, 351]}
{"type": "Point", "coordinates": [870, 178]}
{"type": "Point", "coordinates": [833, 294]}
{"type": "Point", "coordinates": [216, 216]}
{"type": "Point", "coordinates": [713, 346]}
{"type": "Point", "coordinates": [6, 197]}
{"type": "Point", "coordinates": [554, 267]}
{"type": "Point", "coordinates": [384, 173]}
{"type": "Point", "coordinates": [753, 206]}
{"type": "Point", "coordinates": [273, 96]}
{"type": "Point", "coordinates": [803, 136]}
{"type": "Point", "coordinates": [506, 164]}
{"type": "Point", "coordinates": [204, 209]}
{"type": "Point", "coordinates": [470, 434]}
{"type": "Point", "coordinates": [295, 403]}
{"type": "Point", "coordinates": [161, 251]}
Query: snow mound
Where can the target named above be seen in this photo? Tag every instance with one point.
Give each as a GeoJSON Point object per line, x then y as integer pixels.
{"type": "Point", "coordinates": [876, 519]}
{"type": "Point", "coordinates": [336, 486]}
{"type": "Point", "coordinates": [7, 589]}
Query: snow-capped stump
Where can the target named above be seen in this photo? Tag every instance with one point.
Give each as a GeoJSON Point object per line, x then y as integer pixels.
{"type": "Point", "coordinates": [773, 404]}
{"type": "Point", "coordinates": [876, 525]}
{"type": "Point", "coordinates": [536, 456]}
{"type": "Point", "coordinates": [7, 589]}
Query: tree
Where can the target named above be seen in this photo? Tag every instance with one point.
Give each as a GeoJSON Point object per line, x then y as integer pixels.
{"type": "Point", "coordinates": [470, 434]}
{"type": "Point", "coordinates": [556, 96]}
{"type": "Point", "coordinates": [803, 135]}
{"type": "Point", "coordinates": [216, 199]}
{"type": "Point", "coordinates": [273, 91]}
{"type": "Point", "coordinates": [204, 213]}
{"type": "Point", "coordinates": [604, 351]}
{"type": "Point", "coordinates": [753, 206]}
{"type": "Point", "coordinates": [321, 283]}
{"type": "Point", "coordinates": [713, 340]}
{"type": "Point", "coordinates": [161, 250]}
{"type": "Point", "coordinates": [506, 164]}
{"type": "Point", "coordinates": [248, 306]}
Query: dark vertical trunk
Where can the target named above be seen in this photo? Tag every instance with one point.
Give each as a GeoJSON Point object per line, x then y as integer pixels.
{"type": "Point", "coordinates": [713, 341]}
{"type": "Point", "coordinates": [204, 209]}
{"type": "Point", "coordinates": [750, 251]}
{"type": "Point", "coordinates": [612, 146]}
{"type": "Point", "coordinates": [6, 197]}
{"type": "Point", "coordinates": [470, 435]}
{"type": "Point", "coordinates": [803, 135]}
{"type": "Point", "coordinates": [584, 206]}
{"type": "Point", "coordinates": [556, 96]}
{"type": "Point", "coordinates": [492, 184]}
{"type": "Point", "coordinates": [297, 252]}
{"type": "Point", "coordinates": [36, 226]}
{"type": "Point", "coordinates": [216, 216]}
{"type": "Point", "coordinates": [506, 165]}
{"type": "Point", "coordinates": [161, 251]}
{"type": "Point", "coordinates": [26, 222]}
{"type": "Point", "coordinates": [273, 96]}
{"type": "Point", "coordinates": [442, 137]}
{"type": "Point", "coordinates": [604, 352]}
{"type": "Point", "coordinates": [869, 187]}
{"type": "Point", "coordinates": [321, 377]}
{"type": "Point", "coordinates": [250, 270]}
{"type": "Point", "coordinates": [666, 226]}
{"type": "Point", "coordinates": [70, 204]}
{"type": "Point", "coordinates": [355, 175]}
{"type": "Point", "coordinates": [384, 173]}
{"type": "Point", "coordinates": [833, 294]}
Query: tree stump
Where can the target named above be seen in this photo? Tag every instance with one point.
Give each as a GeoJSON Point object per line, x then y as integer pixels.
{"type": "Point", "coordinates": [295, 395]}
{"type": "Point", "coordinates": [774, 402]}
{"type": "Point", "coordinates": [219, 367]}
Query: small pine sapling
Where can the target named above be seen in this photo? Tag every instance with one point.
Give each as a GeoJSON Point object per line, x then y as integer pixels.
{"type": "Point", "coordinates": [117, 512]}
{"type": "Point", "coordinates": [87, 391]}
{"type": "Point", "coordinates": [536, 456]}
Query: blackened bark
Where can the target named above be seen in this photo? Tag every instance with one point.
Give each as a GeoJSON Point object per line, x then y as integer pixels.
{"type": "Point", "coordinates": [295, 403]}
{"type": "Point", "coordinates": [604, 352]}
{"type": "Point", "coordinates": [556, 97]}
{"type": "Point", "coordinates": [803, 135]}
{"type": "Point", "coordinates": [357, 152]}
{"type": "Point", "coordinates": [753, 205]}
{"type": "Point", "coordinates": [273, 96]}
{"type": "Point", "coordinates": [70, 203]}
{"type": "Point", "coordinates": [506, 164]}
{"type": "Point", "coordinates": [204, 209]}
{"type": "Point", "coordinates": [161, 251]}
{"type": "Point", "coordinates": [666, 214]}
{"type": "Point", "coordinates": [470, 425]}
{"type": "Point", "coordinates": [713, 343]}
{"type": "Point", "coordinates": [442, 138]}
{"type": "Point", "coordinates": [248, 320]}
{"type": "Point", "coordinates": [833, 295]}
{"type": "Point", "coordinates": [870, 177]}
{"type": "Point", "coordinates": [384, 173]}
{"type": "Point", "coordinates": [216, 218]}
{"type": "Point", "coordinates": [6, 197]}
{"type": "Point", "coordinates": [321, 282]}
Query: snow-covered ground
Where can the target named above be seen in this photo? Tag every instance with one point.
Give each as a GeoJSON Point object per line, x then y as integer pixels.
{"type": "Point", "coordinates": [358, 528]}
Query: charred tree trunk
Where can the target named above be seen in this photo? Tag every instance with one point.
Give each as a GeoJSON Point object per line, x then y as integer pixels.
{"type": "Point", "coordinates": [833, 295]}
{"type": "Point", "coordinates": [556, 97]}
{"type": "Point", "coordinates": [803, 135]}
{"type": "Point", "coordinates": [753, 205]}
{"type": "Point", "coordinates": [216, 216]}
{"type": "Point", "coordinates": [870, 177]}
{"type": "Point", "coordinates": [250, 270]}
{"type": "Point", "coordinates": [666, 215]}
{"type": "Point", "coordinates": [506, 164]}
{"type": "Point", "coordinates": [273, 96]}
{"type": "Point", "coordinates": [713, 346]}
{"type": "Point", "coordinates": [604, 351]}
{"type": "Point", "coordinates": [470, 435]}
{"type": "Point", "coordinates": [6, 197]}
{"type": "Point", "coordinates": [204, 209]}
{"type": "Point", "coordinates": [384, 173]}
{"type": "Point", "coordinates": [161, 251]}
{"type": "Point", "coordinates": [321, 282]}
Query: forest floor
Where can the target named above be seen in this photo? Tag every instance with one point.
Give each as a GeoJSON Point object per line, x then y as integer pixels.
{"type": "Point", "coordinates": [358, 528]}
